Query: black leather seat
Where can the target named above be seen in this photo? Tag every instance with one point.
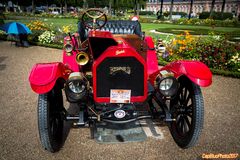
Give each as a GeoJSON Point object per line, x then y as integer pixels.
{"type": "Point", "coordinates": [115, 27]}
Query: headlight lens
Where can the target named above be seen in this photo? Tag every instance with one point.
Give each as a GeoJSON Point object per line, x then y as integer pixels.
{"type": "Point", "coordinates": [166, 84]}
{"type": "Point", "coordinates": [76, 87]}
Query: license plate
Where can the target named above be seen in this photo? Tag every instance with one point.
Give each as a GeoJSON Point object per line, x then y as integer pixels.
{"type": "Point", "coordinates": [120, 96]}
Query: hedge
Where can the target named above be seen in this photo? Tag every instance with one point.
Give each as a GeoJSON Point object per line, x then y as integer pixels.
{"type": "Point", "coordinates": [216, 15]}
{"type": "Point", "coordinates": [57, 46]}
{"type": "Point", "coordinates": [146, 13]}
{"type": "Point", "coordinates": [226, 73]}
{"type": "Point", "coordinates": [183, 14]}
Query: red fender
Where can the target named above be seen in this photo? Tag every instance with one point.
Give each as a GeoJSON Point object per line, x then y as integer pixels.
{"type": "Point", "coordinates": [196, 71]}
{"type": "Point", "coordinates": [44, 76]}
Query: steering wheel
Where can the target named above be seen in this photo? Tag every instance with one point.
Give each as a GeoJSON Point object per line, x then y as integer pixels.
{"type": "Point", "coordinates": [92, 17]}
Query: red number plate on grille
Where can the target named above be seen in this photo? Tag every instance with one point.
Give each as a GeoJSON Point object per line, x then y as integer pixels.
{"type": "Point", "coordinates": [120, 96]}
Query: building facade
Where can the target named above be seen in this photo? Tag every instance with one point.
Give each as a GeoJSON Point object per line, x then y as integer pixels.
{"type": "Point", "coordinates": [231, 6]}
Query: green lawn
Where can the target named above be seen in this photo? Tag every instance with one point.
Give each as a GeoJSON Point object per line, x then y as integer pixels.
{"type": "Point", "coordinates": [57, 22]}
{"type": "Point", "coordinates": [152, 26]}
{"type": "Point", "coordinates": [233, 33]}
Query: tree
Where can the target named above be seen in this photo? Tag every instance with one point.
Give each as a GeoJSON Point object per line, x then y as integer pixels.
{"type": "Point", "coordinates": [212, 9]}
{"type": "Point", "coordinates": [138, 4]}
{"type": "Point", "coordinates": [5, 3]}
{"type": "Point", "coordinates": [143, 3]}
{"type": "Point", "coordinates": [65, 6]}
{"type": "Point", "coordinates": [190, 12]}
{"type": "Point", "coordinates": [47, 6]}
{"type": "Point", "coordinates": [110, 8]}
{"type": "Point", "coordinates": [136, 7]}
{"type": "Point", "coordinates": [223, 7]}
{"type": "Point", "coordinates": [33, 6]}
{"type": "Point", "coordinates": [160, 12]}
{"type": "Point", "coordinates": [114, 7]}
{"type": "Point", "coordinates": [171, 10]}
{"type": "Point", "coordinates": [85, 4]}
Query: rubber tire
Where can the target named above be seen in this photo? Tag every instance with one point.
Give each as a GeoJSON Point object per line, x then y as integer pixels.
{"type": "Point", "coordinates": [197, 117]}
{"type": "Point", "coordinates": [48, 102]}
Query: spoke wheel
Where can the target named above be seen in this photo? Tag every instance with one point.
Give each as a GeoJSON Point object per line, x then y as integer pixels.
{"type": "Point", "coordinates": [188, 110]}
{"type": "Point", "coordinates": [50, 119]}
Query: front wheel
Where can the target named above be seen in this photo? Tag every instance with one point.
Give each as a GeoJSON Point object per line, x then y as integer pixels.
{"type": "Point", "coordinates": [50, 119]}
{"type": "Point", "coordinates": [188, 109]}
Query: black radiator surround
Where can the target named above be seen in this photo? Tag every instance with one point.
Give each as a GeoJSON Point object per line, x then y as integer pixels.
{"type": "Point", "coordinates": [133, 81]}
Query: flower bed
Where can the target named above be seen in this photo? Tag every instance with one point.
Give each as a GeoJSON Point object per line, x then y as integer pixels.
{"type": "Point", "coordinates": [208, 22]}
{"type": "Point", "coordinates": [47, 34]}
{"type": "Point", "coordinates": [213, 50]}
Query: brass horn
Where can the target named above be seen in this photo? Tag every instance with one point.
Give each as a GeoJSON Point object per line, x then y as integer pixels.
{"type": "Point", "coordinates": [82, 58]}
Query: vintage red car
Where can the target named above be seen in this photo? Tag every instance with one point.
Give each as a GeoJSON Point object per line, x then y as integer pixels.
{"type": "Point", "coordinates": [109, 70]}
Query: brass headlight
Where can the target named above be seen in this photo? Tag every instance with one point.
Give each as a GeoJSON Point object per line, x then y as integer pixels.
{"type": "Point", "coordinates": [82, 58]}
{"type": "Point", "coordinates": [68, 48]}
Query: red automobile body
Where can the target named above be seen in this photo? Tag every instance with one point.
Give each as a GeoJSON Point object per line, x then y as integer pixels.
{"type": "Point", "coordinates": [44, 76]}
{"type": "Point", "coordinates": [110, 74]}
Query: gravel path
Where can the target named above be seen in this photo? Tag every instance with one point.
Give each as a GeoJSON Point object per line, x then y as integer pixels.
{"type": "Point", "coordinates": [18, 120]}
